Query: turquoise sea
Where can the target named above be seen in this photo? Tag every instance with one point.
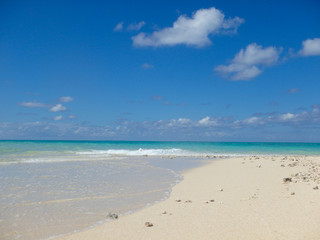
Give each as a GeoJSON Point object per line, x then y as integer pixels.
{"type": "Point", "coordinates": [51, 188]}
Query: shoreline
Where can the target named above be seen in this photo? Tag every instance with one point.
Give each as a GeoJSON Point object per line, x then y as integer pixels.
{"type": "Point", "coordinates": [232, 198]}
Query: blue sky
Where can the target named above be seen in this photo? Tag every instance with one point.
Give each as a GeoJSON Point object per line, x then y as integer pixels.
{"type": "Point", "coordinates": [222, 70]}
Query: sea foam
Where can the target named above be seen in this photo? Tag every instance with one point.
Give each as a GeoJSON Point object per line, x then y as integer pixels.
{"type": "Point", "coordinates": [140, 152]}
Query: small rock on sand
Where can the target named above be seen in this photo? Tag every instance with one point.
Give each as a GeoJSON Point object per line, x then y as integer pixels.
{"type": "Point", "coordinates": [316, 188]}
{"type": "Point", "coordinates": [148, 224]}
{"type": "Point", "coordinates": [287, 180]}
{"type": "Point", "coordinates": [112, 216]}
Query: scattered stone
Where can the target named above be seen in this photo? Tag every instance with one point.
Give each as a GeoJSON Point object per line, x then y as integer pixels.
{"type": "Point", "coordinates": [188, 201]}
{"type": "Point", "coordinates": [112, 216]}
{"type": "Point", "coordinates": [165, 212]}
{"type": "Point", "coordinates": [293, 193]}
{"type": "Point", "coordinates": [293, 164]}
{"type": "Point", "coordinates": [212, 200]}
{"type": "Point", "coordinates": [178, 200]}
{"type": "Point", "coordinates": [316, 188]}
{"type": "Point", "coordinates": [206, 202]}
{"type": "Point", "coordinates": [220, 189]}
{"type": "Point", "coordinates": [148, 224]}
{"type": "Point", "coordinates": [287, 180]}
{"type": "Point", "coordinates": [282, 165]}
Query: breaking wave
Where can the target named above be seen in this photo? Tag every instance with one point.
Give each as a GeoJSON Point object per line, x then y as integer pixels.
{"type": "Point", "coordinates": [140, 152]}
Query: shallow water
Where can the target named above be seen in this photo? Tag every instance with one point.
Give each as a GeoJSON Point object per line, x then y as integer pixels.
{"type": "Point", "coordinates": [40, 200]}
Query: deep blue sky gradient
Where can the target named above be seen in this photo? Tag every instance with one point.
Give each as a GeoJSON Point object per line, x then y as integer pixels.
{"type": "Point", "coordinates": [51, 49]}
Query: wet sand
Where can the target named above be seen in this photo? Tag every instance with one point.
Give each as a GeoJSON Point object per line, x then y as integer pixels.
{"type": "Point", "coordinates": [237, 198]}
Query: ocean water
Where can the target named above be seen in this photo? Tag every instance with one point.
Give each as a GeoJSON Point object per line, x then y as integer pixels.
{"type": "Point", "coordinates": [51, 188]}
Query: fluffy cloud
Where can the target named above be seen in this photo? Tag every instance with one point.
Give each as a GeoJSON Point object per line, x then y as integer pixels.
{"type": "Point", "coordinates": [57, 118]}
{"type": "Point", "coordinates": [192, 31]}
{"type": "Point", "coordinates": [34, 105]}
{"type": "Point", "coordinates": [53, 130]}
{"type": "Point", "coordinates": [248, 63]}
{"type": "Point", "coordinates": [207, 121]}
{"type": "Point", "coordinates": [136, 26]}
{"type": "Point", "coordinates": [252, 120]}
{"type": "Point", "coordinates": [58, 108]}
{"type": "Point", "coordinates": [66, 99]}
{"type": "Point", "coordinates": [299, 126]}
{"type": "Point", "coordinates": [118, 27]}
{"type": "Point", "coordinates": [178, 122]}
{"type": "Point", "coordinates": [227, 128]}
{"type": "Point", "coordinates": [287, 116]}
{"type": "Point", "coordinates": [310, 47]}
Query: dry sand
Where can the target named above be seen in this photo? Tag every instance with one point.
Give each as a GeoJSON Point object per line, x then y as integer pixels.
{"type": "Point", "coordinates": [237, 198]}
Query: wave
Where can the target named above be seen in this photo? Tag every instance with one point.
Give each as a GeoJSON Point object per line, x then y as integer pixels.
{"type": "Point", "coordinates": [174, 152]}
{"type": "Point", "coordinates": [140, 152]}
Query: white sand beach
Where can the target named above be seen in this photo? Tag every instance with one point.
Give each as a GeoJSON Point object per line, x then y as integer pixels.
{"type": "Point", "coordinates": [251, 198]}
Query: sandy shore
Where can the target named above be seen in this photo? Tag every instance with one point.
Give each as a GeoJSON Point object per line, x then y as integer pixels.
{"type": "Point", "coordinates": [248, 198]}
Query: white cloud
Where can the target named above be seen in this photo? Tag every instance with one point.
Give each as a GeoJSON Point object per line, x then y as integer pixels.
{"type": "Point", "coordinates": [147, 66]}
{"type": "Point", "coordinates": [253, 120]}
{"type": "Point", "coordinates": [255, 54]}
{"type": "Point", "coordinates": [298, 126]}
{"type": "Point", "coordinates": [247, 63]}
{"type": "Point", "coordinates": [118, 27]}
{"type": "Point", "coordinates": [184, 120]}
{"type": "Point", "coordinates": [33, 105]}
{"type": "Point", "coordinates": [287, 116]}
{"type": "Point", "coordinates": [177, 123]}
{"type": "Point", "coordinates": [58, 108]}
{"type": "Point", "coordinates": [207, 121]}
{"type": "Point", "coordinates": [66, 99]}
{"type": "Point", "coordinates": [57, 118]}
{"type": "Point", "coordinates": [136, 26]}
{"type": "Point", "coordinates": [247, 73]}
{"type": "Point", "coordinates": [192, 31]}
{"type": "Point", "coordinates": [310, 47]}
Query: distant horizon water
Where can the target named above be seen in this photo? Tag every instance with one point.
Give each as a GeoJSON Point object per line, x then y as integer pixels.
{"type": "Point", "coordinates": [73, 150]}
{"type": "Point", "coordinates": [50, 187]}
